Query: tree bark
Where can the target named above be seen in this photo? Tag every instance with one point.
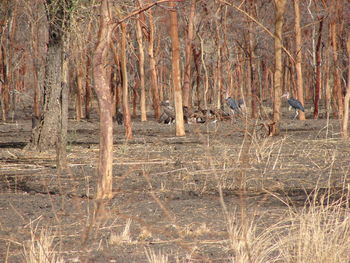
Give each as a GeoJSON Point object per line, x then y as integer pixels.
{"type": "Point", "coordinates": [345, 120]}
{"type": "Point", "coordinates": [79, 92]}
{"type": "Point", "coordinates": [337, 92]}
{"type": "Point", "coordinates": [175, 61]}
{"type": "Point", "coordinates": [141, 70]}
{"type": "Point", "coordinates": [318, 70]}
{"type": "Point", "coordinates": [126, 111]}
{"type": "Point", "coordinates": [104, 96]}
{"type": "Point", "coordinates": [298, 59]}
{"type": "Point", "coordinates": [153, 69]}
{"type": "Point", "coordinates": [187, 87]}
{"type": "Point", "coordinates": [51, 133]}
{"type": "Point", "coordinates": [279, 12]}
{"type": "Point", "coordinates": [88, 91]}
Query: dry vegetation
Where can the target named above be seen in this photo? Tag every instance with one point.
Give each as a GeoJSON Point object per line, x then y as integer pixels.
{"type": "Point", "coordinates": [193, 199]}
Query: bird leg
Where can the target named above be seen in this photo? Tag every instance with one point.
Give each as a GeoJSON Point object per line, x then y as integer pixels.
{"type": "Point", "coordinates": [296, 114]}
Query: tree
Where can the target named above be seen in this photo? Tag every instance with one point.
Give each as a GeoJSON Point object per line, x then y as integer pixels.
{"type": "Point", "coordinates": [153, 68]}
{"type": "Point", "coordinates": [104, 96]}
{"type": "Point", "coordinates": [347, 98]}
{"type": "Point", "coordinates": [141, 69]}
{"type": "Point", "coordinates": [52, 129]}
{"type": "Point", "coordinates": [175, 62]}
{"type": "Point", "coordinates": [187, 87]}
{"type": "Point", "coordinates": [299, 55]}
{"type": "Point", "coordinates": [277, 88]}
{"type": "Point", "coordinates": [126, 111]}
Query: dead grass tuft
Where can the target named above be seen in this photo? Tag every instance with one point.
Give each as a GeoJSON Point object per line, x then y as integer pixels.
{"type": "Point", "coordinates": [40, 248]}
{"type": "Point", "coordinates": [154, 257]}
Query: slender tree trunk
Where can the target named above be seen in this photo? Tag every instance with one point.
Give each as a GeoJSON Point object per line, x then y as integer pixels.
{"type": "Point", "coordinates": [104, 96]}
{"type": "Point", "coordinates": [153, 69]}
{"type": "Point", "coordinates": [345, 120]}
{"type": "Point", "coordinates": [279, 12]}
{"type": "Point", "coordinates": [251, 81]}
{"type": "Point", "coordinates": [318, 70]}
{"type": "Point", "coordinates": [337, 83]}
{"type": "Point", "coordinates": [4, 91]}
{"type": "Point", "coordinates": [187, 87]}
{"type": "Point", "coordinates": [299, 55]}
{"type": "Point", "coordinates": [328, 92]}
{"type": "Point", "coordinates": [79, 92]}
{"type": "Point", "coordinates": [141, 70]}
{"type": "Point", "coordinates": [63, 117]}
{"type": "Point", "coordinates": [126, 111]}
{"type": "Point", "coordinates": [175, 61]}
{"type": "Point", "coordinates": [197, 56]}
{"type": "Point", "coordinates": [88, 91]}
{"type": "Point", "coordinates": [206, 83]}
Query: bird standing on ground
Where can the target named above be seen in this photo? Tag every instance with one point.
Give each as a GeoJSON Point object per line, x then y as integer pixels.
{"type": "Point", "coordinates": [235, 105]}
{"type": "Point", "coordinates": [294, 103]}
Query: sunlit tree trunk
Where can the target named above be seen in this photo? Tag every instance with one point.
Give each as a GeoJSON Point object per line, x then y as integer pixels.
{"type": "Point", "coordinates": [141, 70]}
{"type": "Point", "coordinates": [299, 55]}
{"type": "Point", "coordinates": [337, 92]}
{"type": "Point", "coordinates": [206, 75]}
{"type": "Point", "coordinates": [187, 87]}
{"type": "Point", "coordinates": [345, 120]}
{"type": "Point", "coordinates": [153, 69]}
{"type": "Point", "coordinates": [104, 96]}
{"type": "Point", "coordinates": [175, 61]}
{"type": "Point", "coordinates": [279, 12]}
{"type": "Point", "coordinates": [126, 111]}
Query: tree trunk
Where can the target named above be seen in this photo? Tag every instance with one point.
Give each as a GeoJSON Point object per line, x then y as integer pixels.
{"type": "Point", "coordinates": [337, 92]}
{"type": "Point", "coordinates": [345, 120]}
{"type": "Point", "coordinates": [44, 137]}
{"type": "Point", "coordinates": [280, 6]}
{"type": "Point", "coordinates": [175, 61]}
{"type": "Point", "coordinates": [61, 149]}
{"type": "Point", "coordinates": [126, 111]}
{"type": "Point", "coordinates": [104, 96]}
{"type": "Point", "coordinates": [187, 87]}
{"type": "Point", "coordinates": [50, 133]}
{"type": "Point", "coordinates": [318, 70]}
{"type": "Point", "coordinates": [88, 91]}
{"type": "Point", "coordinates": [298, 59]}
{"type": "Point", "coordinates": [153, 69]}
{"type": "Point", "coordinates": [79, 92]}
{"type": "Point", "coordinates": [141, 70]}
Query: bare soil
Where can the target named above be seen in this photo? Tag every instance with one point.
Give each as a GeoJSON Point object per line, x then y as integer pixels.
{"type": "Point", "coordinates": [169, 187]}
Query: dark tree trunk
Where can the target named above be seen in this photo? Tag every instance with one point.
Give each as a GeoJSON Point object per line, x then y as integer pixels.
{"type": "Point", "coordinates": [318, 70]}
{"type": "Point", "coordinates": [45, 135]}
{"type": "Point", "coordinates": [51, 132]}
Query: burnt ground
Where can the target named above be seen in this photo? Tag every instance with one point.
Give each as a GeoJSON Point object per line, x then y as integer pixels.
{"type": "Point", "coordinates": [165, 188]}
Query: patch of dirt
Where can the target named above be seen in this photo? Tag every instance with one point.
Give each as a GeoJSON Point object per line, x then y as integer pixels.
{"type": "Point", "coordinates": [168, 187]}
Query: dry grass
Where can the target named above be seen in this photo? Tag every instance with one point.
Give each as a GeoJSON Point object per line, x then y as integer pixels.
{"type": "Point", "coordinates": [315, 234]}
{"type": "Point", "coordinates": [124, 237]}
{"type": "Point", "coordinates": [41, 248]}
{"type": "Point", "coordinates": [154, 257]}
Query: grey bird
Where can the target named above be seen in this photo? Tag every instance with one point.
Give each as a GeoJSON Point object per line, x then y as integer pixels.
{"type": "Point", "coordinates": [235, 105]}
{"type": "Point", "coordinates": [294, 103]}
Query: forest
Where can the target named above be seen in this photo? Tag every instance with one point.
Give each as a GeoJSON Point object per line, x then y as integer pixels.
{"type": "Point", "coordinates": [174, 131]}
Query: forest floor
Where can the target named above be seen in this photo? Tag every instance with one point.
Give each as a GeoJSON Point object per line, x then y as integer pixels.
{"type": "Point", "coordinates": [178, 197]}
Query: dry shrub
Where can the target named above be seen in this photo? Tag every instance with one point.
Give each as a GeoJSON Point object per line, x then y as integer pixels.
{"type": "Point", "coordinates": [124, 237]}
{"type": "Point", "coordinates": [154, 257]}
{"type": "Point", "coordinates": [40, 248]}
{"type": "Point", "coordinates": [316, 234]}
